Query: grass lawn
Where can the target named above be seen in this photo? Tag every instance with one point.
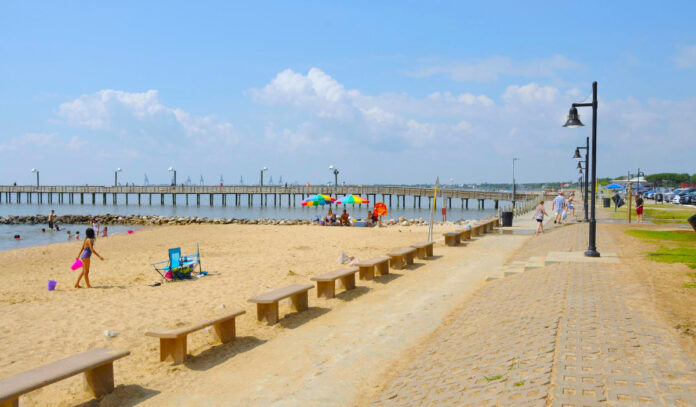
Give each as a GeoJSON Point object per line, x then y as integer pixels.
{"type": "Point", "coordinates": [672, 236]}
{"type": "Point", "coordinates": [682, 254]}
{"type": "Point", "coordinates": [664, 214]}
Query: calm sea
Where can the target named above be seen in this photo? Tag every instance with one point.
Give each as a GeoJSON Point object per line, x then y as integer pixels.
{"type": "Point", "coordinates": [32, 236]}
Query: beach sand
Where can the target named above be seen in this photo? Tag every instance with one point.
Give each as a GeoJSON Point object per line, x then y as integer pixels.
{"type": "Point", "coordinates": [42, 326]}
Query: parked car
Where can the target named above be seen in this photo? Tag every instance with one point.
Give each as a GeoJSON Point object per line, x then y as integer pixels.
{"type": "Point", "coordinates": [681, 196]}
{"type": "Point", "coordinates": [650, 194]}
{"type": "Point", "coordinates": [669, 197]}
{"type": "Point", "coordinates": [691, 198]}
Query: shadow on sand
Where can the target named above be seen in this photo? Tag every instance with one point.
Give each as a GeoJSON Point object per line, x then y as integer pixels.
{"type": "Point", "coordinates": [296, 319]}
{"type": "Point", "coordinates": [124, 395]}
{"type": "Point", "coordinates": [222, 352]}
{"type": "Point", "coordinates": [350, 295]}
{"type": "Point", "coordinates": [389, 277]}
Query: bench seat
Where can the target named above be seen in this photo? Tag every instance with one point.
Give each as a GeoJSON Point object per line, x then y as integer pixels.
{"type": "Point", "coordinates": [367, 267]}
{"type": "Point", "coordinates": [424, 249]}
{"type": "Point", "coordinates": [326, 283]}
{"type": "Point", "coordinates": [173, 342]}
{"type": "Point", "coordinates": [267, 303]}
{"type": "Point", "coordinates": [97, 365]}
{"type": "Point", "coordinates": [452, 238]}
{"type": "Point", "coordinates": [401, 258]}
{"type": "Point", "coordinates": [476, 229]}
{"type": "Point", "coordinates": [464, 234]}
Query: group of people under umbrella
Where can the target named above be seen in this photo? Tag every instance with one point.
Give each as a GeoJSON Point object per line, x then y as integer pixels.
{"type": "Point", "coordinates": [344, 219]}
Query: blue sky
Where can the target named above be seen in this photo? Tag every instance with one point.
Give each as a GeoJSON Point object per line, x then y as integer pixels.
{"type": "Point", "coordinates": [398, 92]}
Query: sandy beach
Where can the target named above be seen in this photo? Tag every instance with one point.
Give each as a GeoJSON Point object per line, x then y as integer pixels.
{"type": "Point", "coordinates": [242, 260]}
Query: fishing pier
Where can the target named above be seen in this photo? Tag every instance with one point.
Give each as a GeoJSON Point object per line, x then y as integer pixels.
{"type": "Point", "coordinates": [234, 195]}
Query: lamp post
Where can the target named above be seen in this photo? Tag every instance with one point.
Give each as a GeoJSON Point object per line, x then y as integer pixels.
{"type": "Point", "coordinates": [638, 175]}
{"type": "Point", "coordinates": [37, 175]}
{"type": "Point", "coordinates": [116, 176]}
{"type": "Point", "coordinates": [513, 180]}
{"type": "Point", "coordinates": [262, 170]}
{"type": "Point", "coordinates": [335, 173]}
{"type": "Point", "coordinates": [587, 158]}
{"type": "Point", "coordinates": [574, 121]}
{"type": "Point", "coordinates": [174, 171]}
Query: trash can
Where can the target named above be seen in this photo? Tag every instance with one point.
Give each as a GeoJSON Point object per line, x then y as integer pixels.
{"type": "Point", "coordinates": [507, 219]}
{"type": "Point", "coordinates": [607, 202]}
{"type": "Point", "coordinates": [692, 221]}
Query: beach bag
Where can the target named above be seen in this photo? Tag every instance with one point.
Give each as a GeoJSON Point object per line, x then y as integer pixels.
{"type": "Point", "coordinates": [564, 214]}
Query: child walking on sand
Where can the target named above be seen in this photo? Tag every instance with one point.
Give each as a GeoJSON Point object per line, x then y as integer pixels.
{"type": "Point", "coordinates": [539, 216]}
{"type": "Point", "coordinates": [85, 255]}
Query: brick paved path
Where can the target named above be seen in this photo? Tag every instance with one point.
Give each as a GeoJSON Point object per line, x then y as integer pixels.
{"type": "Point", "coordinates": [562, 335]}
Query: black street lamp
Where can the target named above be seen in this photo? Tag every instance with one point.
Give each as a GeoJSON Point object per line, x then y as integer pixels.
{"type": "Point", "coordinates": [116, 176]}
{"type": "Point", "coordinates": [513, 180]}
{"type": "Point", "coordinates": [587, 164]}
{"type": "Point", "coordinates": [262, 170]}
{"type": "Point", "coordinates": [37, 175]}
{"type": "Point", "coordinates": [174, 171]}
{"type": "Point", "coordinates": [574, 121]}
{"type": "Point", "coordinates": [335, 173]}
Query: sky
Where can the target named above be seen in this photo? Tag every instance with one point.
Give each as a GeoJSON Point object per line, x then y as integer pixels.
{"type": "Point", "coordinates": [387, 92]}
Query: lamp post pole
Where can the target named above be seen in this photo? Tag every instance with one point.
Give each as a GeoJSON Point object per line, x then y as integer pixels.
{"type": "Point", "coordinates": [174, 171]}
{"type": "Point", "coordinates": [514, 189]}
{"type": "Point", "coordinates": [116, 176]}
{"type": "Point", "coordinates": [335, 173]}
{"type": "Point", "coordinates": [262, 170]}
{"type": "Point", "coordinates": [574, 121]}
{"type": "Point", "coordinates": [37, 175]}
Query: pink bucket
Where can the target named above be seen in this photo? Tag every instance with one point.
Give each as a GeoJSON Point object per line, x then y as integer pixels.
{"type": "Point", "coordinates": [76, 265]}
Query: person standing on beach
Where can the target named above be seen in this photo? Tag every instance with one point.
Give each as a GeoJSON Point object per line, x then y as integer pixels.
{"type": "Point", "coordinates": [51, 217]}
{"type": "Point", "coordinates": [559, 205]}
{"type": "Point", "coordinates": [639, 208]}
{"type": "Point", "coordinates": [85, 254]}
{"type": "Point", "coordinates": [539, 213]}
{"type": "Point", "coordinates": [95, 226]}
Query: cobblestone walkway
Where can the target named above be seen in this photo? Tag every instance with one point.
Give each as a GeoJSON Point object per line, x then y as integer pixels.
{"type": "Point", "coordinates": [561, 335]}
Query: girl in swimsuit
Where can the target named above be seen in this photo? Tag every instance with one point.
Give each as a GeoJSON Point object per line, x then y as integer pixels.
{"type": "Point", "coordinates": [85, 255]}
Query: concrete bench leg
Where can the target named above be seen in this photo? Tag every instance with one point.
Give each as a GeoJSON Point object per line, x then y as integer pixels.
{"type": "Point", "coordinates": [10, 403]}
{"type": "Point", "coordinates": [367, 273]}
{"type": "Point", "coordinates": [300, 302]}
{"type": "Point", "coordinates": [429, 251]}
{"type": "Point", "coordinates": [383, 268]}
{"type": "Point", "coordinates": [409, 258]}
{"type": "Point", "coordinates": [326, 289]}
{"type": "Point", "coordinates": [348, 282]}
{"type": "Point", "coordinates": [267, 312]}
{"type": "Point", "coordinates": [397, 262]}
{"type": "Point", "coordinates": [422, 253]}
{"type": "Point", "coordinates": [225, 331]}
{"type": "Point", "coordinates": [100, 380]}
{"type": "Point", "coordinates": [451, 241]}
{"type": "Point", "coordinates": [173, 349]}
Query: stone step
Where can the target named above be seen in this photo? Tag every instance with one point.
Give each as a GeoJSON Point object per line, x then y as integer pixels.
{"type": "Point", "coordinates": [535, 262]}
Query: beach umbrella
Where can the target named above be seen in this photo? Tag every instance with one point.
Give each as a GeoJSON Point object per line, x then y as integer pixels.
{"type": "Point", "coordinates": [352, 199]}
{"type": "Point", "coordinates": [318, 200]}
{"type": "Point", "coordinates": [613, 186]}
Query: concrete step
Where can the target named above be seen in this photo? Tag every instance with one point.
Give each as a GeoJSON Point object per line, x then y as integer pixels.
{"type": "Point", "coordinates": [511, 271]}
{"type": "Point", "coordinates": [535, 262]}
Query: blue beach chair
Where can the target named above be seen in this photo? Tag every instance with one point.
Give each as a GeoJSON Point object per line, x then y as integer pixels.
{"type": "Point", "coordinates": [179, 267]}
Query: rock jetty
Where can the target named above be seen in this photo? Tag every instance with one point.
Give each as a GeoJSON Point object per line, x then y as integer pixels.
{"type": "Point", "coordinates": [146, 220]}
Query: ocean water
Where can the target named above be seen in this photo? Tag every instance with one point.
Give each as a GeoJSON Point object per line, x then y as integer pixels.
{"type": "Point", "coordinates": [32, 236]}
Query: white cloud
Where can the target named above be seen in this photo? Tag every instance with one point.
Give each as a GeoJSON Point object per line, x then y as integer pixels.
{"type": "Point", "coordinates": [686, 57]}
{"type": "Point", "coordinates": [126, 112]}
{"type": "Point", "coordinates": [492, 68]}
{"type": "Point", "coordinates": [38, 141]}
{"type": "Point", "coordinates": [531, 93]}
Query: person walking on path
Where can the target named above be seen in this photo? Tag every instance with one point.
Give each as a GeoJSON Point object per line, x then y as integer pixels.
{"type": "Point", "coordinates": [85, 254]}
{"type": "Point", "coordinates": [559, 205]}
{"type": "Point", "coordinates": [539, 216]}
{"type": "Point", "coordinates": [51, 218]}
{"type": "Point", "coordinates": [639, 208]}
{"type": "Point", "coordinates": [571, 199]}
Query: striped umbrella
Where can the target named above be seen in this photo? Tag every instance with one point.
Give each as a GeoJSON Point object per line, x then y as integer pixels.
{"type": "Point", "coordinates": [352, 199]}
{"type": "Point", "coordinates": [317, 200]}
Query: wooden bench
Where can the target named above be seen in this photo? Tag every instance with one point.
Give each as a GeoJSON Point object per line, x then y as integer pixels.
{"type": "Point", "coordinates": [173, 341]}
{"type": "Point", "coordinates": [400, 258]}
{"type": "Point", "coordinates": [452, 238]}
{"type": "Point", "coordinates": [267, 303]}
{"type": "Point", "coordinates": [424, 249]}
{"type": "Point", "coordinates": [367, 267]}
{"type": "Point", "coordinates": [97, 365]}
{"type": "Point", "coordinates": [464, 234]}
{"type": "Point", "coordinates": [326, 283]}
{"type": "Point", "coordinates": [476, 230]}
